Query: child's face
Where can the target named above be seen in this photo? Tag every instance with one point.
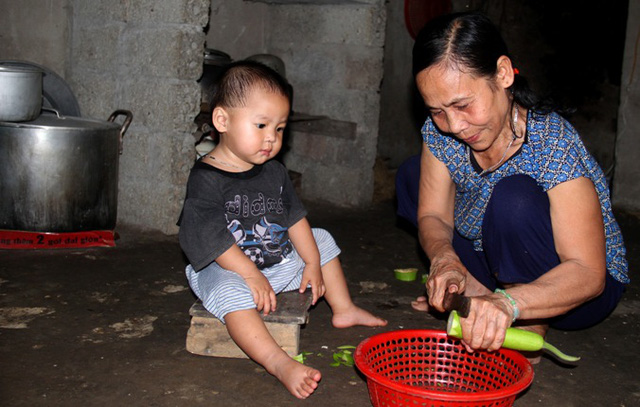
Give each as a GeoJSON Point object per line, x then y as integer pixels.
{"type": "Point", "coordinates": [252, 134]}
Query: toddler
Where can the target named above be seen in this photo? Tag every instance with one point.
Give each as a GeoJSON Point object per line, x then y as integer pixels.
{"type": "Point", "coordinates": [244, 230]}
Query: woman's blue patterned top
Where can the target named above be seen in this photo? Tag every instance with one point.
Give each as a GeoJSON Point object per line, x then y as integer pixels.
{"type": "Point", "coordinates": [553, 153]}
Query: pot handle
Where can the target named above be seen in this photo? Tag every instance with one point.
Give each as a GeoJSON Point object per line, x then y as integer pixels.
{"type": "Point", "coordinates": [125, 124]}
{"type": "Point", "coordinates": [50, 109]}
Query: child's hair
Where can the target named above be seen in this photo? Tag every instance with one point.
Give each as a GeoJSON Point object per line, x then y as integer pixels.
{"type": "Point", "coordinates": [239, 78]}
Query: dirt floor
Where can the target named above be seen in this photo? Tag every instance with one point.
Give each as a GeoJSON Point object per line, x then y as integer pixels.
{"type": "Point", "coordinates": [107, 327]}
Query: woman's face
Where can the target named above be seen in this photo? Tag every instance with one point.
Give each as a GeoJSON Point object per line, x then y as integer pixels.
{"type": "Point", "coordinates": [474, 109]}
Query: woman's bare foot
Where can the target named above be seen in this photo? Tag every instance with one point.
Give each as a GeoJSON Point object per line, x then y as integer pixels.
{"type": "Point", "coordinates": [356, 316]}
{"type": "Point", "coordinates": [534, 357]}
{"type": "Point", "coordinates": [420, 304]}
{"type": "Point", "coordinates": [299, 379]}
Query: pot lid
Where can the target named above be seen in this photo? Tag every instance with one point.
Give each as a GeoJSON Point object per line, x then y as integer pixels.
{"type": "Point", "coordinates": [20, 69]}
{"type": "Point", "coordinates": [216, 57]}
{"type": "Point", "coordinates": [49, 120]}
{"type": "Point", "coordinates": [56, 91]}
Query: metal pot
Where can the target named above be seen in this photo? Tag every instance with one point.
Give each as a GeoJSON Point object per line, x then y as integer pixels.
{"type": "Point", "coordinates": [272, 61]}
{"type": "Point", "coordinates": [20, 93]}
{"type": "Point", "coordinates": [214, 63]}
{"type": "Point", "coordinates": [60, 174]}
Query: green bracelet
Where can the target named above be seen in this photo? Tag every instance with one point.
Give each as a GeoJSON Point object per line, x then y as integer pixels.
{"type": "Point", "coordinates": [516, 311]}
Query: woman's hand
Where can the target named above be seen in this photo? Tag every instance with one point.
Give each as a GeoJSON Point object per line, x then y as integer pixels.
{"type": "Point", "coordinates": [447, 274]}
{"type": "Point", "coordinates": [263, 294]}
{"type": "Point", "coordinates": [312, 275]}
{"type": "Point", "coordinates": [487, 323]}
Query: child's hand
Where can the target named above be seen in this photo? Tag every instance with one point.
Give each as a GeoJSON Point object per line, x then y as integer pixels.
{"type": "Point", "coordinates": [312, 275]}
{"type": "Point", "coordinates": [263, 294]}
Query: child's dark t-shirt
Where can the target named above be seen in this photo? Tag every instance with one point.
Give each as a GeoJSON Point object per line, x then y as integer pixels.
{"type": "Point", "coordinates": [253, 209]}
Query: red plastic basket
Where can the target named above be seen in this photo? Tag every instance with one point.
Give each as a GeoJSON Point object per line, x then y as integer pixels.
{"type": "Point", "coordinates": [428, 368]}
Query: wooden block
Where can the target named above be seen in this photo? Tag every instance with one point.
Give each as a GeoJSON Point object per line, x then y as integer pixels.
{"type": "Point", "coordinates": [292, 307]}
{"type": "Point", "coordinates": [208, 336]}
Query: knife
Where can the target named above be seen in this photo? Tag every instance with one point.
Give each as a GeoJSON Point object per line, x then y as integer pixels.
{"type": "Point", "coordinates": [457, 302]}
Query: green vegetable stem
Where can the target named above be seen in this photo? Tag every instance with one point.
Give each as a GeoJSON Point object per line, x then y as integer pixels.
{"type": "Point", "coordinates": [344, 356]}
{"type": "Point", "coordinates": [302, 357]}
{"type": "Point", "coordinates": [515, 338]}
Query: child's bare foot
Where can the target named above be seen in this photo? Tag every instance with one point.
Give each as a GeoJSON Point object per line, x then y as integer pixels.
{"type": "Point", "coordinates": [356, 316]}
{"type": "Point", "coordinates": [299, 379]}
{"type": "Point", "coordinates": [420, 304]}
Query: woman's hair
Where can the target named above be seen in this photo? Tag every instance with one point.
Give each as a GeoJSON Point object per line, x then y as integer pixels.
{"type": "Point", "coordinates": [238, 79]}
{"type": "Point", "coordinates": [471, 43]}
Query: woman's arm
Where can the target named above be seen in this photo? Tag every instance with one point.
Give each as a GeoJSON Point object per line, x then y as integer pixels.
{"type": "Point", "coordinates": [435, 205]}
{"type": "Point", "coordinates": [435, 226]}
{"type": "Point", "coordinates": [578, 232]}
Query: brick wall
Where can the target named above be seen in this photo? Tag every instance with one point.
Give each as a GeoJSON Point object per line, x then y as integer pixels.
{"type": "Point", "coordinates": [144, 56]}
{"type": "Point", "coordinates": [333, 53]}
{"type": "Point", "coordinates": [626, 188]}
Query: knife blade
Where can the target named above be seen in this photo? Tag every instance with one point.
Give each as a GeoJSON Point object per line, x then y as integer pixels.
{"type": "Point", "coordinates": [457, 302]}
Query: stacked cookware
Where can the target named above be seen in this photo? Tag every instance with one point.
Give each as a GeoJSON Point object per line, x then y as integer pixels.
{"type": "Point", "coordinates": [58, 171]}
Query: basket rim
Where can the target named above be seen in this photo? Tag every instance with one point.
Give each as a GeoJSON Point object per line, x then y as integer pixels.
{"type": "Point", "coordinates": [370, 374]}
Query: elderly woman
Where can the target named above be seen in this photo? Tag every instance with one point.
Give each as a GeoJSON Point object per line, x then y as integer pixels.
{"type": "Point", "coordinates": [512, 209]}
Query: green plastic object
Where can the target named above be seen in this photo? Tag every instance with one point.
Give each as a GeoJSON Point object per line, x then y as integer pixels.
{"type": "Point", "coordinates": [517, 339]}
{"type": "Point", "coordinates": [409, 274]}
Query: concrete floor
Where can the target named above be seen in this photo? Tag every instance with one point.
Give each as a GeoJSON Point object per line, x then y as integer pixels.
{"type": "Point", "coordinates": [107, 326]}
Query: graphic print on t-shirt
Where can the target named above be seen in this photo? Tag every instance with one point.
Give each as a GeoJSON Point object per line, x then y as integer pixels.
{"type": "Point", "coordinates": [265, 243]}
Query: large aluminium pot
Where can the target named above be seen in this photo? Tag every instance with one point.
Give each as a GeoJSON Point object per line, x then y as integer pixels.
{"type": "Point", "coordinates": [60, 174]}
{"type": "Point", "coordinates": [20, 93]}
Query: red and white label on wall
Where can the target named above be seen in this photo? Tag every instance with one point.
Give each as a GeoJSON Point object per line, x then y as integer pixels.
{"type": "Point", "coordinates": [16, 239]}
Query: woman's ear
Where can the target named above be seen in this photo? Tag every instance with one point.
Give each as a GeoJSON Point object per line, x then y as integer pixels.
{"type": "Point", "coordinates": [504, 72]}
{"type": "Point", "coordinates": [219, 118]}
